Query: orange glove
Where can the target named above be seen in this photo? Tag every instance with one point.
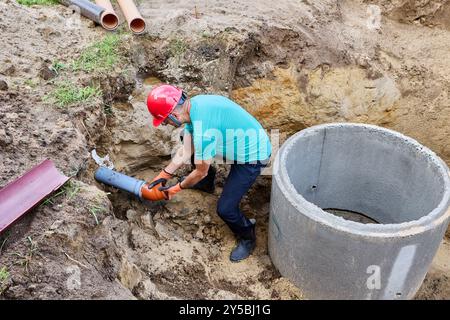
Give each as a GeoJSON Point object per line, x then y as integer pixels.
{"type": "Point", "coordinates": [162, 175]}
{"type": "Point", "coordinates": [171, 191]}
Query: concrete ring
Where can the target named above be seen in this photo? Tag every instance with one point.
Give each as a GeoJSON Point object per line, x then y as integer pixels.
{"type": "Point", "coordinates": [380, 173]}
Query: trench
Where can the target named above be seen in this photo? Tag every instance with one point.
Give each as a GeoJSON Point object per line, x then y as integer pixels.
{"type": "Point", "coordinates": [126, 141]}
{"type": "Point", "coordinates": [185, 237]}
{"type": "Point", "coordinates": [139, 150]}
{"type": "Point", "coordinates": [179, 249]}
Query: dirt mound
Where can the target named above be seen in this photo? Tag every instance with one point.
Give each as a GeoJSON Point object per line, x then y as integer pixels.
{"type": "Point", "coordinates": [33, 37]}
{"type": "Point", "coordinates": [31, 133]}
{"type": "Point", "coordinates": [428, 13]}
{"type": "Point", "coordinates": [437, 281]}
{"type": "Point", "coordinates": [66, 248]}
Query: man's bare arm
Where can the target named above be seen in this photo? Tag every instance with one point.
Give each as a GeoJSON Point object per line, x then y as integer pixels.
{"type": "Point", "coordinates": [200, 172]}
{"type": "Point", "coordinates": [183, 154]}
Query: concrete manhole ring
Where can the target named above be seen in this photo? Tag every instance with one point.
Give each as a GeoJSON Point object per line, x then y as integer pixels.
{"type": "Point", "coordinates": [390, 178]}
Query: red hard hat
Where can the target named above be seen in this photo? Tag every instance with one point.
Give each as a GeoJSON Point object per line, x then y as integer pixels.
{"type": "Point", "coordinates": [161, 101]}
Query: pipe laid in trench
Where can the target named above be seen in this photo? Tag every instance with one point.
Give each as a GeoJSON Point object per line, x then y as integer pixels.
{"type": "Point", "coordinates": [108, 19]}
{"type": "Point", "coordinates": [87, 9]}
{"type": "Point", "coordinates": [135, 21]}
{"type": "Point", "coordinates": [139, 188]}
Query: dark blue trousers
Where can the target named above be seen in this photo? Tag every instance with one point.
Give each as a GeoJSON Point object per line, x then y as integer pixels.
{"type": "Point", "coordinates": [240, 179]}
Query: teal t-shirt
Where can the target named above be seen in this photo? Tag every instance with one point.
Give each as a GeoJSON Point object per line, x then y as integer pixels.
{"type": "Point", "coordinates": [221, 127]}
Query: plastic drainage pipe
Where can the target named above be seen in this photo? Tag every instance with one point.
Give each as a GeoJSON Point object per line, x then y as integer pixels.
{"type": "Point", "coordinates": [135, 21]}
{"type": "Point", "coordinates": [119, 181]}
{"type": "Point", "coordinates": [109, 19]}
{"type": "Point", "coordinates": [140, 188]}
{"type": "Point", "coordinates": [88, 9]}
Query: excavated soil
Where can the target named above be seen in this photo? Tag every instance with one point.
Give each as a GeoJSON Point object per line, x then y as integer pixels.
{"type": "Point", "coordinates": [291, 64]}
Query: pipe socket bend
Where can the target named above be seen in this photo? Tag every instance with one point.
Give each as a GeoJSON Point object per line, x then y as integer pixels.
{"type": "Point", "coordinates": [377, 172]}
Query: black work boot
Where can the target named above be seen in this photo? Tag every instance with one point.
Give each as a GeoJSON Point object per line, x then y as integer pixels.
{"type": "Point", "coordinates": [245, 246]}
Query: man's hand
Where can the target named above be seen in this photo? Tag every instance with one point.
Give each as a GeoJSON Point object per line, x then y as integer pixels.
{"type": "Point", "coordinates": [163, 175]}
{"type": "Point", "coordinates": [171, 191]}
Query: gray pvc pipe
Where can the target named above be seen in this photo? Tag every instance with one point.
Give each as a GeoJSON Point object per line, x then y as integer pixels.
{"type": "Point", "coordinates": [88, 9]}
{"type": "Point", "coordinates": [119, 181]}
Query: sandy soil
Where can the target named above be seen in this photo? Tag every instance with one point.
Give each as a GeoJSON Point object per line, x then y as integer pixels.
{"type": "Point", "coordinates": [307, 62]}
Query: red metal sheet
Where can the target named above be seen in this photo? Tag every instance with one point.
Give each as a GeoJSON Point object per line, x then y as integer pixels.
{"type": "Point", "coordinates": [19, 196]}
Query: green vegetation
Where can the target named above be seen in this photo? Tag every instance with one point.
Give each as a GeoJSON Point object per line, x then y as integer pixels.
{"type": "Point", "coordinates": [3, 241]}
{"type": "Point", "coordinates": [38, 2]}
{"type": "Point", "coordinates": [31, 83]}
{"type": "Point", "coordinates": [96, 209]}
{"type": "Point", "coordinates": [57, 66]}
{"type": "Point", "coordinates": [25, 259]}
{"type": "Point", "coordinates": [4, 275]}
{"type": "Point", "coordinates": [70, 189]}
{"type": "Point", "coordinates": [100, 56]}
{"type": "Point", "coordinates": [206, 34]}
{"type": "Point", "coordinates": [177, 47]}
{"type": "Point", "coordinates": [66, 93]}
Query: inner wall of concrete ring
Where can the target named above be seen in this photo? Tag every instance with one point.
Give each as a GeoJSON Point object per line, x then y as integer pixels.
{"type": "Point", "coordinates": [367, 169]}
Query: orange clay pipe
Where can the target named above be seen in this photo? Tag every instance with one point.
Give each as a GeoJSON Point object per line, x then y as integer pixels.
{"type": "Point", "coordinates": [135, 21]}
{"type": "Point", "coordinates": [108, 19]}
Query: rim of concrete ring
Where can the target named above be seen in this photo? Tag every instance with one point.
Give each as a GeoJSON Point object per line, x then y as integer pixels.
{"type": "Point", "coordinates": [312, 211]}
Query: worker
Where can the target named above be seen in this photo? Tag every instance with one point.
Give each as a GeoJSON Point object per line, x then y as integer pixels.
{"type": "Point", "coordinates": [215, 128]}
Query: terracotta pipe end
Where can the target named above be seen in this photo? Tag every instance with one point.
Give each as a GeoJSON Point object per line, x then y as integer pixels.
{"type": "Point", "coordinates": [137, 25]}
{"type": "Point", "coordinates": [109, 21]}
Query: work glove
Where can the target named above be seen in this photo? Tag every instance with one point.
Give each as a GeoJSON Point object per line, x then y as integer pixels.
{"type": "Point", "coordinates": [171, 191]}
{"type": "Point", "coordinates": [163, 175]}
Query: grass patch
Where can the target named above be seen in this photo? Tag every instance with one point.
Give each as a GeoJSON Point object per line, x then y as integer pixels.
{"type": "Point", "coordinates": [100, 56]}
{"type": "Point", "coordinates": [70, 190]}
{"type": "Point", "coordinates": [57, 66]}
{"type": "Point", "coordinates": [67, 93]}
{"type": "Point", "coordinates": [94, 210]}
{"type": "Point", "coordinates": [38, 2]}
{"type": "Point", "coordinates": [30, 83]}
{"type": "Point", "coordinates": [4, 275]}
{"type": "Point", "coordinates": [177, 47]}
{"type": "Point", "coordinates": [25, 259]}
{"type": "Point", "coordinates": [3, 241]}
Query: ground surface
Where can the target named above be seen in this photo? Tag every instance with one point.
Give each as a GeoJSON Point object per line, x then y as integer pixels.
{"type": "Point", "coordinates": [291, 64]}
